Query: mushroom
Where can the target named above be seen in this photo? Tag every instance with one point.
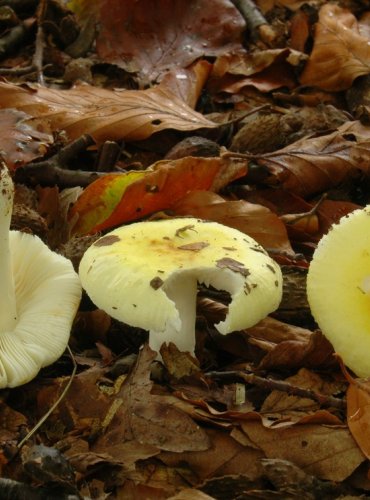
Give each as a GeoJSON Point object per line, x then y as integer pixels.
{"type": "Point", "coordinates": [40, 293]}
{"type": "Point", "coordinates": [338, 289]}
{"type": "Point", "coordinates": [146, 274]}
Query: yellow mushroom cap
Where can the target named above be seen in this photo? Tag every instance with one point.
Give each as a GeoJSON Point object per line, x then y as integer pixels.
{"type": "Point", "coordinates": [338, 289]}
{"type": "Point", "coordinates": [146, 275]}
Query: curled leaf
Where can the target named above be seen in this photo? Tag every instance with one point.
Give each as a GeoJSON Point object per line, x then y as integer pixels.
{"type": "Point", "coordinates": [340, 53]}
{"type": "Point", "coordinates": [313, 165]}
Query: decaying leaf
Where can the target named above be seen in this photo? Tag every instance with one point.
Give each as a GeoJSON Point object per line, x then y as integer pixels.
{"type": "Point", "coordinates": [119, 198]}
{"type": "Point", "coordinates": [266, 70]}
{"type": "Point", "coordinates": [187, 83]}
{"type": "Point", "coordinates": [358, 412]}
{"type": "Point", "coordinates": [314, 448]}
{"type": "Point", "coordinates": [225, 456]}
{"type": "Point", "coordinates": [250, 218]}
{"type": "Point", "coordinates": [22, 139]}
{"type": "Point", "coordinates": [313, 165]}
{"type": "Point", "coordinates": [149, 420]}
{"type": "Point", "coordinates": [340, 53]}
{"type": "Point", "coordinates": [150, 36]}
{"type": "Point", "coordinates": [132, 115]}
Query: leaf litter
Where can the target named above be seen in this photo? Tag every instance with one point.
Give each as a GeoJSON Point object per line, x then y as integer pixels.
{"type": "Point", "coordinates": [246, 130]}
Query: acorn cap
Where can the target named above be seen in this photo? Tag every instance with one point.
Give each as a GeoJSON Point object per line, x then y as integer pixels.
{"type": "Point", "coordinates": [338, 289]}
{"type": "Point", "coordinates": [146, 274]}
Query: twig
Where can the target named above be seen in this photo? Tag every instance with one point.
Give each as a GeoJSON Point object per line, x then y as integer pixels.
{"type": "Point", "coordinates": [39, 43]}
{"type": "Point", "coordinates": [23, 70]}
{"type": "Point", "coordinates": [108, 155]}
{"type": "Point", "coordinates": [257, 24]}
{"type": "Point", "coordinates": [13, 39]}
{"type": "Point", "coordinates": [49, 175]}
{"type": "Point", "coordinates": [71, 150]}
{"type": "Point", "coordinates": [293, 218]}
{"type": "Point", "coordinates": [50, 172]}
{"type": "Point", "coordinates": [278, 385]}
{"type": "Point", "coordinates": [53, 406]}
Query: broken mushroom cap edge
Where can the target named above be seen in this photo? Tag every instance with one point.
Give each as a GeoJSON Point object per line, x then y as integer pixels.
{"type": "Point", "coordinates": [146, 274]}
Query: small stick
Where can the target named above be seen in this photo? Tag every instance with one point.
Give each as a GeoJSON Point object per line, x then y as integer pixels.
{"type": "Point", "coordinates": [23, 70]}
{"type": "Point", "coordinates": [293, 218]}
{"type": "Point", "coordinates": [108, 155]}
{"type": "Point", "coordinates": [50, 172]}
{"type": "Point", "coordinates": [278, 385]}
{"type": "Point", "coordinates": [256, 22]}
{"type": "Point", "coordinates": [39, 43]}
{"type": "Point", "coordinates": [13, 39]}
{"type": "Point", "coordinates": [47, 174]}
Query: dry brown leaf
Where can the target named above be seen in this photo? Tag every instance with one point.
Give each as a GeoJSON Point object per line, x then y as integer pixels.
{"type": "Point", "coordinates": [313, 165]}
{"type": "Point", "coordinates": [340, 53]}
{"type": "Point", "coordinates": [282, 403]}
{"type": "Point", "coordinates": [266, 70]}
{"type": "Point", "coordinates": [22, 139]}
{"type": "Point", "coordinates": [187, 83]}
{"type": "Point", "coordinates": [191, 494]}
{"type": "Point", "coordinates": [358, 413]}
{"type": "Point", "coordinates": [331, 211]}
{"type": "Point", "coordinates": [315, 352]}
{"type": "Point", "coordinates": [252, 219]}
{"type": "Point", "coordinates": [84, 406]}
{"type": "Point", "coordinates": [149, 421]}
{"type": "Point", "coordinates": [178, 364]}
{"type": "Point", "coordinates": [151, 36]}
{"type": "Point", "coordinates": [225, 456]}
{"type": "Point", "coordinates": [132, 115]}
{"type": "Point", "coordinates": [326, 452]}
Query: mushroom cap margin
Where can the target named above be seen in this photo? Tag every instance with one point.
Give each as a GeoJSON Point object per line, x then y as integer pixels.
{"type": "Point", "coordinates": [335, 279]}
{"type": "Point", "coordinates": [125, 271]}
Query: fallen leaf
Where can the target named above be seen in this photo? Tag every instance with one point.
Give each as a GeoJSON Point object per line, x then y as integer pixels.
{"type": "Point", "coordinates": [316, 352]}
{"type": "Point", "coordinates": [326, 452]}
{"type": "Point", "coordinates": [266, 70]}
{"type": "Point", "coordinates": [22, 139]}
{"type": "Point", "coordinates": [104, 114]}
{"type": "Point", "coordinates": [118, 198]}
{"type": "Point", "coordinates": [283, 404]}
{"type": "Point", "coordinates": [178, 364]}
{"type": "Point", "coordinates": [99, 200]}
{"type": "Point", "coordinates": [340, 53]}
{"type": "Point", "coordinates": [252, 219]}
{"type": "Point", "coordinates": [187, 83]}
{"type": "Point", "coordinates": [191, 494]}
{"type": "Point", "coordinates": [358, 413]}
{"type": "Point", "coordinates": [85, 405]}
{"type": "Point", "coordinates": [147, 420]}
{"type": "Point", "coordinates": [313, 165]}
{"type": "Point", "coordinates": [331, 211]}
{"type": "Point", "coordinates": [225, 456]}
{"type": "Point", "coordinates": [151, 36]}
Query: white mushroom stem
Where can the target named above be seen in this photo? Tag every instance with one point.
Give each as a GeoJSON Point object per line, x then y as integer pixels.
{"type": "Point", "coordinates": [8, 308]}
{"type": "Point", "coordinates": [183, 292]}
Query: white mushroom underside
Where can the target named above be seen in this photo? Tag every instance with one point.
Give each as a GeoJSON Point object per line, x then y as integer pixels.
{"type": "Point", "coordinates": [48, 292]}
